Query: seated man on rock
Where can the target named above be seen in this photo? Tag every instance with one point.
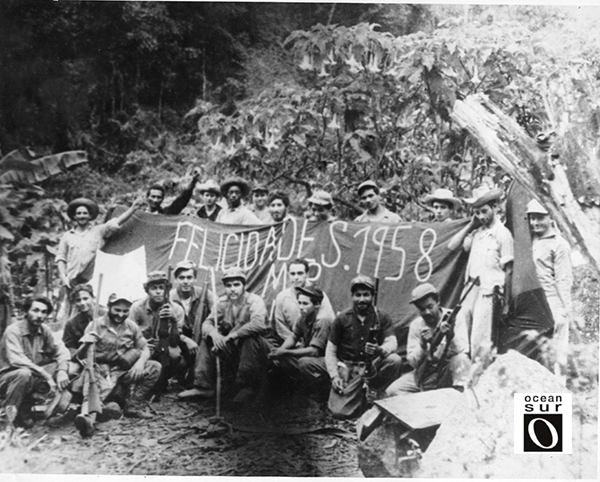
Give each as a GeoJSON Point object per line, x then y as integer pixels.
{"type": "Point", "coordinates": [436, 350]}
{"type": "Point", "coordinates": [161, 321]}
{"type": "Point", "coordinates": [123, 373]}
{"type": "Point", "coordinates": [301, 356]}
{"type": "Point", "coordinates": [233, 333]}
{"type": "Point", "coordinates": [33, 365]}
{"type": "Point", "coordinates": [361, 348]}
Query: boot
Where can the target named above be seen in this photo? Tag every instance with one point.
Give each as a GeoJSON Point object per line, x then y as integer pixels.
{"type": "Point", "coordinates": [85, 425]}
{"type": "Point", "coordinates": [136, 409]}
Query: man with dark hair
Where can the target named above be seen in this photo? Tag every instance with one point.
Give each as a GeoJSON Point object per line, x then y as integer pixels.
{"type": "Point", "coordinates": [210, 193]}
{"type": "Point", "coordinates": [287, 309]}
{"type": "Point", "coordinates": [302, 353]}
{"type": "Point", "coordinates": [445, 366]}
{"type": "Point", "coordinates": [490, 247]}
{"type": "Point", "coordinates": [124, 372]}
{"type": "Point", "coordinates": [443, 204]}
{"type": "Point", "coordinates": [375, 212]}
{"type": "Point", "coordinates": [155, 196]}
{"type": "Point", "coordinates": [361, 346]}
{"type": "Point", "coordinates": [320, 206]}
{"type": "Point", "coordinates": [31, 362]}
{"type": "Point", "coordinates": [233, 332]}
{"type": "Point", "coordinates": [82, 297]}
{"type": "Point", "coordinates": [259, 207]}
{"type": "Point", "coordinates": [234, 190]}
{"type": "Point", "coordinates": [279, 203]}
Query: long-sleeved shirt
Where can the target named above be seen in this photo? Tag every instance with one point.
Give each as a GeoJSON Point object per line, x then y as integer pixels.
{"type": "Point", "coordinates": [240, 215]}
{"type": "Point", "coordinates": [78, 249]}
{"type": "Point", "coordinates": [180, 202]}
{"type": "Point", "coordinates": [415, 350]}
{"type": "Point", "coordinates": [383, 215]}
{"type": "Point", "coordinates": [246, 318]}
{"type": "Point", "coordinates": [287, 312]}
{"type": "Point", "coordinates": [25, 346]}
{"type": "Point", "coordinates": [75, 328]}
{"type": "Point", "coordinates": [552, 258]}
{"type": "Point", "coordinates": [194, 314]}
{"type": "Point", "coordinates": [203, 214]}
{"type": "Point", "coordinates": [114, 338]}
{"type": "Point", "coordinates": [263, 215]}
{"type": "Point", "coordinates": [147, 319]}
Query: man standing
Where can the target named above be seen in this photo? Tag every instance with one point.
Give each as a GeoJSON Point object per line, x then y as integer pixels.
{"type": "Point", "coordinates": [441, 366]}
{"type": "Point", "coordinates": [361, 347]}
{"type": "Point", "coordinates": [234, 190]}
{"type": "Point", "coordinates": [210, 193]}
{"type": "Point", "coordinates": [287, 309]}
{"type": "Point", "coordinates": [233, 332]}
{"type": "Point", "coordinates": [77, 248]}
{"type": "Point", "coordinates": [490, 247]}
{"type": "Point", "coordinates": [259, 206]}
{"type": "Point", "coordinates": [375, 212]}
{"type": "Point", "coordinates": [302, 353]}
{"type": "Point", "coordinates": [31, 361]}
{"type": "Point", "coordinates": [552, 258]}
{"type": "Point", "coordinates": [443, 205]}
{"type": "Point", "coordinates": [279, 203]}
{"type": "Point", "coordinates": [155, 196]}
{"type": "Point", "coordinates": [83, 298]}
{"type": "Point", "coordinates": [320, 206]}
{"type": "Point", "coordinates": [160, 322]}
{"type": "Point", "coordinates": [122, 362]}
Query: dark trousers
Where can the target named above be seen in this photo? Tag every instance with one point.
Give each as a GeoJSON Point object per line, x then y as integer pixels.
{"type": "Point", "coordinates": [243, 363]}
{"type": "Point", "coordinates": [310, 369]}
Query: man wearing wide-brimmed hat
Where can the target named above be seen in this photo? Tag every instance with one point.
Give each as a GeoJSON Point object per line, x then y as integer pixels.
{"type": "Point", "coordinates": [233, 332]}
{"type": "Point", "coordinates": [552, 258]}
{"type": "Point", "coordinates": [210, 192]}
{"type": "Point", "coordinates": [490, 247]}
{"type": "Point", "coordinates": [439, 367]}
{"type": "Point", "coordinates": [375, 212]}
{"type": "Point", "coordinates": [234, 190]}
{"type": "Point", "coordinates": [260, 196]}
{"type": "Point", "coordinates": [77, 248]}
{"type": "Point", "coordinates": [320, 206]}
{"type": "Point", "coordinates": [443, 204]}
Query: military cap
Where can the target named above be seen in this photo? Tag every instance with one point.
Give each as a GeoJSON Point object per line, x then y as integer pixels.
{"type": "Point", "coordinates": [81, 287]}
{"type": "Point", "coordinates": [368, 185]}
{"type": "Point", "coordinates": [260, 188]}
{"type": "Point", "coordinates": [235, 181]}
{"type": "Point", "coordinates": [184, 266]}
{"type": "Point", "coordinates": [534, 207]}
{"type": "Point", "coordinates": [91, 206]}
{"type": "Point", "coordinates": [422, 291]}
{"type": "Point", "coordinates": [483, 195]}
{"type": "Point", "coordinates": [155, 277]}
{"type": "Point", "coordinates": [314, 293]}
{"type": "Point", "coordinates": [210, 186]}
{"type": "Point", "coordinates": [362, 280]}
{"type": "Point", "coordinates": [234, 273]}
{"type": "Point", "coordinates": [321, 198]}
{"type": "Point", "coordinates": [114, 297]}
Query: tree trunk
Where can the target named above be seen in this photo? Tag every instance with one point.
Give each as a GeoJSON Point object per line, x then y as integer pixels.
{"type": "Point", "coordinates": [519, 155]}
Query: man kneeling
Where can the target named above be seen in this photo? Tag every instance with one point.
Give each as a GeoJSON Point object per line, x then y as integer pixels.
{"type": "Point", "coordinates": [444, 365]}
{"type": "Point", "coordinates": [302, 354]}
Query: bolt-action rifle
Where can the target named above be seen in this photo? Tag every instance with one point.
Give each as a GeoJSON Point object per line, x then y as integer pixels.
{"type": "Point", "coordinates": [164, 333]}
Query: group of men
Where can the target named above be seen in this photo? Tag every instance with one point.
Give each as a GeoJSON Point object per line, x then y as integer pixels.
{"type": "Point", "coordinates": [208, 343]}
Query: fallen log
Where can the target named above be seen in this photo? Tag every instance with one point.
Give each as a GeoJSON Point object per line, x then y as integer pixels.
{"type": "Point", "coordinates": [519, 155]}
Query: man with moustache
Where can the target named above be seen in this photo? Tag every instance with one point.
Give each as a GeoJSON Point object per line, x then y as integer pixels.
{"type": "Point", "coordinates": [361, 346]}
{"type": "Point", "coordinates": [375, 212]}
{"type": "Point", "coordinates": [449, 365]}
{"type": "Point", "coordinates": [279, 203]}
{"type": "Point", "coordinates": [234, 190]}
{"type": "Point", "coordinates": [443, 204]}
{"type": "Point", "coordinates": [287, 310]}
{"type": "Point", "coordinates": [124, 372]}
{"type": "Point", "coordinates": [31, 362]}
{"type": "Point", "coordinates": [83, 298]}
{"type": "Point", "coordinates": [233, 332]}
{"type": "Point", "coordinates": [210, 193]}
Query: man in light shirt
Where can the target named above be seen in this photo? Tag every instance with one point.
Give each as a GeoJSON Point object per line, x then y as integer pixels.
{"type": "Point", "coordinates": [234, 190]}
{"type": "Point", "coordinates": [375, 212]}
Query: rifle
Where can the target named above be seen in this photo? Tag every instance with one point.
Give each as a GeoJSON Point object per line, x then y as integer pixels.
{"type": "Point", "coordinates": [163, 333]}
{"type": "Point", "coordinates": [217, 357]}
{"type": "Point", "coordinates": [373, 334]}
{"type": "Point", "coordinates": [427, 365]}
{"type": "Point", "coordinates": [197, 326]}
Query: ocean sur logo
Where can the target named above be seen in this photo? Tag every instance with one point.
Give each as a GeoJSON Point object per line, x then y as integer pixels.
{"type": "Point", "coordinates": [543, 423]}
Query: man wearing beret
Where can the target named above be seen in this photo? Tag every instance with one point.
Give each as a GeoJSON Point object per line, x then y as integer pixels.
{"type": "Point", "coordinates": [31, 362]}
{"type": "Point", "coordinates": [361, 346]}
{"type": "Point", "coordinates": [161, 321]}
{"type": "Point", "coordinates": [260, 195]}
{"type": "Point", "coordinates": [375, 212]}
{"type": "Point", "coordinates": [234, 190]}
{"type": "Point", "coordinates": [433, 367]}
{"type": "Point", "coordinates": [302, 353]}
{"type": "Point", "coordinates": [210, 193]}
{"type": "Point", "coordinates": [125, 377]}
{"type": "Point", "coordinates": [443, 204]}
{"type": "Point", "coordinates": [490, 247]}
{"type": "Point", "coordinates": [233, 332]}
{"type": "Point", "coordinates": [155, 196]}
{"type": "Point", "coordinates": [77, 248]}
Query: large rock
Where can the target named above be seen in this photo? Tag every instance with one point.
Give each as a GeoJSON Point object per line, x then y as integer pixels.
{"type": "Point", "coordinates": [477, 439]}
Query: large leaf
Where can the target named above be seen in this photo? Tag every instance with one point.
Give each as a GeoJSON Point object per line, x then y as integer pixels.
{"type": "Point", "coordinates": [42, 169]}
